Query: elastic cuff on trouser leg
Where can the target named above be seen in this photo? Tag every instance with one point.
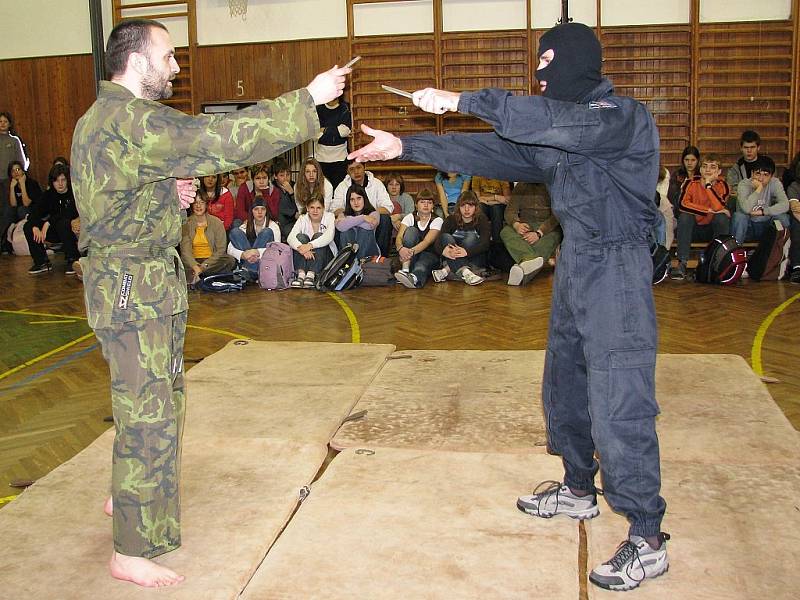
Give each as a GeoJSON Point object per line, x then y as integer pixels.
{"type": "Point", "coordinates": [649, 527]}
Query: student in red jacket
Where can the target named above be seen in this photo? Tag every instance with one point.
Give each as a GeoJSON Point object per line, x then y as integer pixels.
{"type": "Point", "coordinates": [218, 199]}
{"type": "Point", "coordinates": [703, 210]}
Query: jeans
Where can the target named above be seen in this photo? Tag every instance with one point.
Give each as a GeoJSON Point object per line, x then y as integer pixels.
{"type": "Point", "coordinates": [747, 228]}
{"type": "Point", "coordinates": [383, 234]}
{"type": "Point", "coordinates": [598, 390]}
{"type": "Point", "coordinates": [322, 256]}
{"type": "Point", "coordinates": [365, 238]}
{"type": "Point", "coordinates": [794, 246]}
{"type": "Point", "coordinates": [239, 240]}
{"type": "Point", "coordinates": [520, 250]}
{"type": "Point", "coordinates": [425, 262]}
{"type": "Point", "coordinates": [467, 240]}
{"type": "Point", "coordinates": [9, 214]}
{"type": "Point", "coordinates": [689, 230]}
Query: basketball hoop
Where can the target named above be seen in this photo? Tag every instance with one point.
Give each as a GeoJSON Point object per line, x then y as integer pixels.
{"type": "Point", "coordinates": [238, 8]}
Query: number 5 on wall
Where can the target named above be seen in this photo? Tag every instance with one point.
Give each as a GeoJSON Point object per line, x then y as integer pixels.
{"type": "Point", "coordinates": [239, 88]}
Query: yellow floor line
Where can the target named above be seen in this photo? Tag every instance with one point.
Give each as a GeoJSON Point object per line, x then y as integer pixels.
{"type": "Point", "coordinates": [755, 353]}
{"type": "Point", "coordinates": [355, 331]}
{"type": "Point", "coordinates": [238, 336]}
{"type": "Point", "coordinates": [41, 357]}
{"type": "Point", "coordinates": [48, 322]}
{"type": "Point", "coordinates": [6, 500]}
{"type": "Point", "coordinates": [39, 314]}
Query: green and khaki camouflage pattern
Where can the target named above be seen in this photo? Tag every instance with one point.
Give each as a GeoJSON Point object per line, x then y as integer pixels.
{"type": "Point", "coordinates": [148, 402]}
{"type": "Point", "coordinates": [126, 154]}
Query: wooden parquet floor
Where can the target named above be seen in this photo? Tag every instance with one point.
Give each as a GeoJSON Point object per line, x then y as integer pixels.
{"type": "Point", "coordinates": [52, 406]}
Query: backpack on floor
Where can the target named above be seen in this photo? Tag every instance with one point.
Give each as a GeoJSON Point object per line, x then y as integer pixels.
{"type": "Point", "coordinates": [661, 262]}
{"type": "Point", "coordinates": [771, 257]}
{"type": "Point", "coordinates": [722, 262]}
{"type": "Point", "coordinates": [16, 235]}
{"type": "Point", "coordinates": [377, 271]}
{"type": "Point", "coordinates": [276, 268]}
{"type": "Point", "coordinates": [343, 272]}
{"type": "Point", "coordinates": [222, 283]}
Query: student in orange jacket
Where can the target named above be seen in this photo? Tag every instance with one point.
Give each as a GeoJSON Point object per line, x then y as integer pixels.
{"type": "Point", "coordinates": [703, 210]}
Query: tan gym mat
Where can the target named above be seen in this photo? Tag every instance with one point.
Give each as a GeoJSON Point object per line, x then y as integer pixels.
{"type": "Point", "coordinates": [236, 497]}
{"type": "Point", "coordinates": [735, 533]}
{"type": "Point", "coordinates": [397, 523]}
{"type": "Point", "coordinates": [465, 400]}
{"type": "Point", "coordinates": [280, 390]}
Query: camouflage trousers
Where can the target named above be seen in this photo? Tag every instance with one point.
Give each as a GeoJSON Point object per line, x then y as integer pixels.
{"type": "Point", "coordinates": [147, 399]}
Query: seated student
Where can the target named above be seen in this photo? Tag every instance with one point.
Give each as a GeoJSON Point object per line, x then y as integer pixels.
{"type": "Point", "coordinates": [311, 238]}
{"type": "Point", "coordinates": [703, 211]}
{"type": "Point", "coordinates": [16, 199]}
{"type": "Point", "coordinates": [51, 219]}
{"type": "Point", "coordinates": [247, 242]}
{"type": "Point", "coordinates": [494, 196]}
{"type": "Point", "coordinates": [794, 232]}
{"type": "Point", "coordinates": [358, 222]}
{"type": "Point", "coordinates": [203, 244]}
{"type": "Point", "coordinates": [263, 188]}
{"type": "Point", "coordinates": [791, 174]}
{"type": "Point", "coordinates": [664, 231]}
{"type": "Point", "coordinates": [415, 242]}
{"type": "Point", "coordinates": [750, 147]}
{"type": "Point", "coordinates": [312, 183]}
{"type": "Point", "coordinates": [689, 167]}
{"type": "Point", "coordinates": [241, 205]}
{"type": "Point", "coordinates": [532, 233]}
{"type": "Point", "coordinates": [463, 241]}
{"type": "Point", "coordinates": [219, 201]}
{"type": "Point", "coordinates": [760, 200]}
{"type": "Point", "coordinates": [450, 186]}
{"type": "Point", "coordinates": [403, 203]}
{"type": "Point", "coordinates": [378, 196]}
{"type": "Point", "coordinates": [287, 209]}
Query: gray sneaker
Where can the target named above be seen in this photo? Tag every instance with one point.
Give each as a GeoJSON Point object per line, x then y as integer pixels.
{"type": "Point", "coordinates": [525, 271]}
{"type": "Point", "coordinates": [632, 563]}
{"type": "Point", "coordinates": [408, 279]}
{"type": "Point", "coordinates": [557, 499]}
{"type": "Point", "coordinates": [678, 273]}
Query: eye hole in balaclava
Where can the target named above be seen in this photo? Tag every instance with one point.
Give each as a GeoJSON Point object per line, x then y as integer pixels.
{"type": "Point", "coordinates": [575, 68]}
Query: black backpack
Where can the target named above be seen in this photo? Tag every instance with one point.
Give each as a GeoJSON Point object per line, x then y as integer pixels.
{"type": "Point", "coordinates": [222, 282]}
{"type": "Point", "coordinates": [722, 262]}
{"type": "Point", "coordinates": [343, 272]}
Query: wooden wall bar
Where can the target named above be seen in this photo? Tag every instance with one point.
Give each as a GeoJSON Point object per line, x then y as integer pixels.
{"type": "Point", "coordinates": [46, 96]}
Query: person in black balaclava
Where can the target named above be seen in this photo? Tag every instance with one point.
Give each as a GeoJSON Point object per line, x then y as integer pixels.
{"type": "Point", "coordinates": [598, 153]}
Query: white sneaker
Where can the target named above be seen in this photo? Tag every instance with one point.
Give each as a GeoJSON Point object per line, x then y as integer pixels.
{"type": "Point", "coordinates": [439, 275]}
{"type": "Point", "coordinates": [408, 279]}
{"type": "Point", "coordinates": [632, 563]}
{"type": "Point", "coordinates": [557, 499]}
{"type": "Point", "coordinates": [470, 278]}
{"type": "Point", "coordinates": [525, 271]}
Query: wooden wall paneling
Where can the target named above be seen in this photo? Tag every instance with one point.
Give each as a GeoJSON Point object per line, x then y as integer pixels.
{"type": "Point", "coordinates": [794, 125]}
{"type": "Point", "coordinates": [744, 82]}
{"type": "Point", "coordinates": [406, 62]}
{"type": "Point", "coordinates": [47, 96]}
{"type": "Point", "coordinates": [653, 65]}
{"type": "Point", "coordinates": [476, 60]}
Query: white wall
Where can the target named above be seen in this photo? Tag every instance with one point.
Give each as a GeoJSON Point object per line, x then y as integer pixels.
{"type": "Point", "coordinates": [44, 28]}
{"type": "Point", "coordinates": [483, 15]}
{"type": "Point", "coordinates": [52, 28]}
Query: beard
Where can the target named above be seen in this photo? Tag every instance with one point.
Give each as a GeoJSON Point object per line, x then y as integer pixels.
{"type": "Point", "coordinates": [155, 85]}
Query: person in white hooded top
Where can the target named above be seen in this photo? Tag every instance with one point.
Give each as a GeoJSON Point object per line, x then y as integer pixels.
{"type": "Point", "coordinates": [311, 238]}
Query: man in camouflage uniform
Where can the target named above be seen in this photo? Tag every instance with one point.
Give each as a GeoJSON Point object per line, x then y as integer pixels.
{"type": "Point", "coordinates": [127, 152]}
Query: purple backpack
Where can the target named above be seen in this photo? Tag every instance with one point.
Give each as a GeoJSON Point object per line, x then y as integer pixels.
{"type": "Point", "coordinates": [276, 269]}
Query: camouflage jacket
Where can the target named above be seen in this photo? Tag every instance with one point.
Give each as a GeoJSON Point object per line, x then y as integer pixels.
{"type": "Point", "coordinates": [126, 154]}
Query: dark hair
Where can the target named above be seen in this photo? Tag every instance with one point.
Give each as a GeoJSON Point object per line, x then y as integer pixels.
{"type": "Point", "coordinates": [61, 160]}
{"type": "Point", "coordinates": [467, 197]}
{"type": "Point", "coordinates": [709, 158]}
{"type": "Point", "coordinates": [749, 136]}
{"type": "Point", "coordinates": [250, 231]}
{"type": "Point", "coordinates": [398, 178]}
{"type": "Point", "coordinates": [11, 166]}
{"type": "Point", "coordinates": [7, 115]}
{"type": "Point", "coordinates": [694, 151]}
{"type": "Point", "coordinates": [765, 163]}
{"type": "Point", "coordinates": [129, 36]}
{"type": "Point", "coordinates": [57, 171]}
{"type": "Point", "coordinates": [280, 165]}
{"type": "Point", "coordinates": [357, 189]}
{"type": "Point", "coordinates": [315, 197]}
{"type": "Point", "coordinates": [217, 188]}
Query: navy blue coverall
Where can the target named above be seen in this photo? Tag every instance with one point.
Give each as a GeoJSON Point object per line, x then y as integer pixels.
{"type": "Point", "coordinates": [600, 160]}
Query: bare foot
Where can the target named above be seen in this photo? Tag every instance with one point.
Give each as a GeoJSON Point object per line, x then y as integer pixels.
{"type": "Point", "coordinates": [142, 571]}
{"type": "Point", "coordinates": [108, 507]}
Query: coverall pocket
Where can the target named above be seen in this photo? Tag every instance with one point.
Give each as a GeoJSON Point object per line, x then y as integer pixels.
{"type": "Point", "coordinates": [631, 384]}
